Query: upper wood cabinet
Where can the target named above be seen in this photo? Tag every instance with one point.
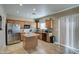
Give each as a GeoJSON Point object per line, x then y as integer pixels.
{"type": "Point", "coordinates": [37, 23]}
{"type": "Point", "coordinates": [13, 21]}
{"type": "Point", "coordinates": [49, 23]}
{"type": "Point", "coordinates": [28, 22]}
{"type": "Point", "coordinates": [10, 21]}
{"type": "Point", "coordinates": [20, 22]}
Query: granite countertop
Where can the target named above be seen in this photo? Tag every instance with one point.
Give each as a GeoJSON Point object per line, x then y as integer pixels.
{"type": "Point", "coordinates": [30, 34]}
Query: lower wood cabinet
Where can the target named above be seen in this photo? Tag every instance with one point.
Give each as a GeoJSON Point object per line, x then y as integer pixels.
{"type": "Point", "coordinates": [44, 36]}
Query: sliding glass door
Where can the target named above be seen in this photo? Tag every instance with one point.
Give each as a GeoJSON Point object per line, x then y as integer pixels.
{"type": "Point", "coordinates": [68, 30]}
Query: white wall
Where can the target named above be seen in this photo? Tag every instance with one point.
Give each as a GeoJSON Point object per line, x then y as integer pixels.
{"type": "Point", "coordinates": [2, 32]}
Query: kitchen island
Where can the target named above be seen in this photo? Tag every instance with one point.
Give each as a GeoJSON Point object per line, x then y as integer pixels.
{"type": "Point", "coordinates": [30, 41]}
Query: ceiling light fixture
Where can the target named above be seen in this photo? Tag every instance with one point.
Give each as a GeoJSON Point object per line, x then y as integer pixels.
{"type": "Point", "coordinates": [21, 4]}
{"type": "Point", "coordinates": [33, 13]}
{"type": "Point", "coordinates": [34, 9]}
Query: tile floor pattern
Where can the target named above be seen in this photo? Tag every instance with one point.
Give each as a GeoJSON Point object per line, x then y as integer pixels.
{"type": "Point", "coordinates": [42, 48]}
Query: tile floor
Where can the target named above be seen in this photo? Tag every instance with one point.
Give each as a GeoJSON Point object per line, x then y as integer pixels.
{"type": "Point", "coordinates": [42, 48]}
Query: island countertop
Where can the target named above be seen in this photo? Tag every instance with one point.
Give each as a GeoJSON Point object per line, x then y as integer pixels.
{"type": "Point", "coordinates": [30, 41]}
{"type": "Point", "coordinates": [30, 34]}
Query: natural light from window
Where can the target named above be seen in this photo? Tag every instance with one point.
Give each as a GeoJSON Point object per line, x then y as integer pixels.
{"type": "Point", "coordinates": [42, 26]}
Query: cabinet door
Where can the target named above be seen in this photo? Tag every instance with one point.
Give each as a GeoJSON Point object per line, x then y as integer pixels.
{"type": "Point", "coordinates": [10, 21]}
{"type": "Point", "coordinates": [48, 23]}
{"type": "Point", "coordinates": [44, 36]}
{"type": "Point", "coordinates": [22, 24]}
{"type": "Point", "coordinates": [16, 22]}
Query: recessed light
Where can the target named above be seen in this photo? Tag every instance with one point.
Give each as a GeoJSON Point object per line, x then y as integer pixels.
{"type": "Point", "coordinates": [21, 4]}
{"type": "Point", "coordinates": [34, 9]}
{"type": "Point", "coordinates": [33, 13]}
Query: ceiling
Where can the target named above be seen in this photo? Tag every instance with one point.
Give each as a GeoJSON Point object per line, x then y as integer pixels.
{"type": "Point", "coordinates": [34, 10]}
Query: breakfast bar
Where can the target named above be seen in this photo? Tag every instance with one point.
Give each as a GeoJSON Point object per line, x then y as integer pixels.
{"type": "Point", "coordinates": [30, 41]}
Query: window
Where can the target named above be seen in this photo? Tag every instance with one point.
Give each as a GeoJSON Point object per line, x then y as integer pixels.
{"type": "Point", "coordinates": [42, 25]}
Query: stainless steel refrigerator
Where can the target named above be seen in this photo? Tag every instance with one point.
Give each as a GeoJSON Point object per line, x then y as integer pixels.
{"type": "Point", "coordinates": [13, 35]}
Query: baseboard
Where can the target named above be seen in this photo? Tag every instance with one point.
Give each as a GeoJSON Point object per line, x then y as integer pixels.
{"type": "Point", "coordinates": [3, 46]}
{"type": "Point", "coordinates": [73, 49]}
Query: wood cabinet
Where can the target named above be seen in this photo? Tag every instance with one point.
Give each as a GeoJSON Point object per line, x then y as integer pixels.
{"type": "Point", "coordinates": [37, 24]}
{"type": "Point", "coordinates": [44, 36]}
{"type": "Point", "coordinates": [20, 22]}
{"type": "Point", "coordinates": [49, 23]}
{"type": "Point", "coordinates": [10, 21]}
{"type": "Point", "coordinates": [30, 41]}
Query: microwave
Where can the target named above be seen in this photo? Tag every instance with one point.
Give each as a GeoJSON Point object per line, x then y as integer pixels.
{"type": "Point", "coordinates": [26, 26]}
